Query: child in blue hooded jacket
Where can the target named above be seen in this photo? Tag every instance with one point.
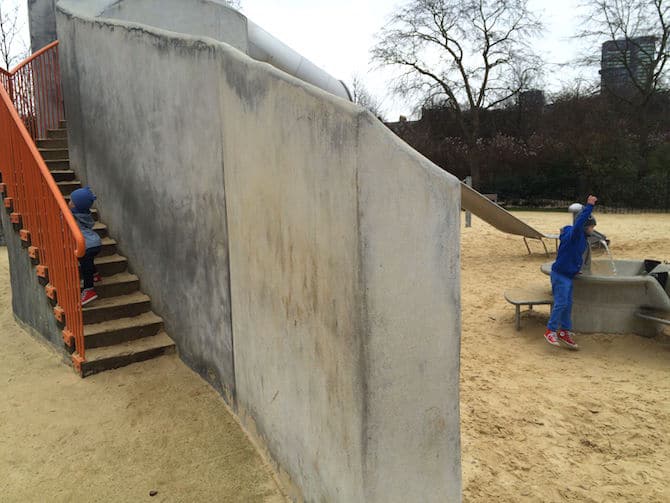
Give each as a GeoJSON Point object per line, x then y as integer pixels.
{"type": "Point", "coordinates": [568, 264]}
{"type": "Point", "coordinates": [81, 201]}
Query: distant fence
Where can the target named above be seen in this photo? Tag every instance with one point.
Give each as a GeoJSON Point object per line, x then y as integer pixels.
{"type": "Point", "coordinates": [562, 205]}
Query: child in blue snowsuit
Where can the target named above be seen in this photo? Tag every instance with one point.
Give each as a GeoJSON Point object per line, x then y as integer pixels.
{"type": "Point", "coordinates": [568, 264]}
{"type": "Point", "coordinates": [81, 201]}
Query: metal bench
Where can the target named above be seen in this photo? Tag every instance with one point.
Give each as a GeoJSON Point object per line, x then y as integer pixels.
{"type": "Point", "coordinates": [530, 296]}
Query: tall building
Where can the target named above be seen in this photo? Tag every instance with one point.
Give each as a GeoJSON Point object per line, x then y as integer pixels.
{"type": "Point", "coordinates": [626, 62]}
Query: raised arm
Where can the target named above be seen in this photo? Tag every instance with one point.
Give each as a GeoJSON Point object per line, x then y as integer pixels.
{"type": "Point", "coordinates": [584, 214]}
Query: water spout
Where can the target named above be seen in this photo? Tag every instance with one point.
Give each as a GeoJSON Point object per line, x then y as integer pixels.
{"type": "Point", "coordinates": [609, 253]}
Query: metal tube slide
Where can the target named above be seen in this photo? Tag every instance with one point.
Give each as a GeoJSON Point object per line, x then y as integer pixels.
{"type": "Point", "coordinates": [267, 48]}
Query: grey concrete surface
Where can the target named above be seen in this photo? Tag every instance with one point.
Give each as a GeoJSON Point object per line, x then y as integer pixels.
{"type": "Point", "coordinates": [206, 18]}
{"type": "Point", "coordinates": [343, 295]}
{"type": "Point", "coordinates": [607, 303]}
{"type": "Point", "coordinates": [42, 22]}
{"type": "Point", "coordinates": [145, 132]}
{"type": "Point", "coordinates": [29, 301]}
{"type": "Point", "coordinates": [409, 219]}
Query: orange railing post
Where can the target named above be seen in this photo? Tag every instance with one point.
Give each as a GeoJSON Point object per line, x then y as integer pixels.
{"type": "Point", "coordinates": [31, 104]}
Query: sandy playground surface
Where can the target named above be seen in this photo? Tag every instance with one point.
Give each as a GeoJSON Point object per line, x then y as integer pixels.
{"type": "Point", "coordinates": [116, 436]}
{"type": "Point", "coordinates": [539, 424]}
{"type": "Point", "coordinates": [545, 424]}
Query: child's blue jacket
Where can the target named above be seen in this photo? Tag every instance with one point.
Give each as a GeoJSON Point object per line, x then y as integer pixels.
{"type": "Point", "coordinates": [573, 245]}
{"type": "Point", "coordinates": [86, 222]}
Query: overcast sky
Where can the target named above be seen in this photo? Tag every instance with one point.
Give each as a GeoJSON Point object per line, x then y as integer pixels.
{"type": "Point", "coordinates": [338, 35]}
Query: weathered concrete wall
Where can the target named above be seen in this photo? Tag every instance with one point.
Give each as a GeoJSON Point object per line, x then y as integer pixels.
{"type": "Point", "coordinates": [206, 18]}
{"type": "Point", "coordinates": [29, 301]}
{"type": "Point", "coordinates": [342, 245]}
{"type": "Point", "coordinates": [42, 21]}
{"type": "Point", "coordinates": [344, 274]}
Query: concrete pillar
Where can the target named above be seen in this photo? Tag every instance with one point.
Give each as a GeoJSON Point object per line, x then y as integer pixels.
{"type": "Point", "coordinates": [42, 20]}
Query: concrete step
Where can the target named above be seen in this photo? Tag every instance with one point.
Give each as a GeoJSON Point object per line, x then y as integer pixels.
{"type": "Point", "coordinates": [117, 285]}
{"type": "Point", "coordinates": [53, 164]}
{"type": "Point", "coordinates": [101, 229]}
{"type": "Point", "coordinates": [57, 134]}
{"type": "Point", "coordinates": [63, 175]}
{"type": "Point", "coordinates": [123, 306]}
{"type": "Point", "coordinates": [120, 355]}
{"type": "Point", "coordinates": [109, 333]}
{"type": "Point", "coordinates": [54, 153]}
{"type": "Point", "coordinates": [52, 143]}
{"type": "Point", "coordinates": [67, 188]}
{"type": "Point", "coordinates": [108, 247]}
{"type": "Point", "coordinates": [109, 265]}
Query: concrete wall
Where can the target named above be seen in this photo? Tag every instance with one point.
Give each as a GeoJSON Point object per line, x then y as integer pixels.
{"type": "Point", "coordinates": [206, 18]}
{"type": "Point", "coordinates": [342, 243]}
{"type": "Point", "coordinates": [42, 21]}
{"type": "Point", "coordinates": [29, 301]}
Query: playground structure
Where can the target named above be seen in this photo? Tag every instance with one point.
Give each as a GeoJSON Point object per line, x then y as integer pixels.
{"type": "Point", "coordinates": [299, 224]}
{"type": "Point", "coordinates": [632, 300]}
{"type": "Point", "coordinates": [498, 217]}
{"type": "Point", "coordinates": [270, 223]}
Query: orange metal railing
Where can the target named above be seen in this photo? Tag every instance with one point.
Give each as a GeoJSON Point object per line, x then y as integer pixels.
{"type": "Point", "coordinates": [6, 81]}
{"type": "Point", "coordinates": [37, 207]}
{"type": "Point", "coordinates": [34, 88]}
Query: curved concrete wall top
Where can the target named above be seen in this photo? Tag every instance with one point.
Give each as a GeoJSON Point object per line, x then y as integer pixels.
{"type": "Point", "coordinates": [214, 19]}
{"type": "Point", "coordinates": [202, 18]}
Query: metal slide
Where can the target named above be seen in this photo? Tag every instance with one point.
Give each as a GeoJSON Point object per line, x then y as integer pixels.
{"type": "Point", "coordinates": [265, 47]}
{"type": "Point", "coordinates": [498, 217]}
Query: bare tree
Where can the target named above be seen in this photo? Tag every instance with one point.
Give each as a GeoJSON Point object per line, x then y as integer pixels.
{"type": "Point", "coordinates": [638, 34]}
{"type": "Point", "coordinates": [12, 50]}
{"type": "Point", "coordinates": [363, 97]}
{"type": "Point", "coordinates": [467, 55]}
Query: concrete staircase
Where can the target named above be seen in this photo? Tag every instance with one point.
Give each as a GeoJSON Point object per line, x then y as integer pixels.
{"type": "Point", "coordinates": [119, 328]}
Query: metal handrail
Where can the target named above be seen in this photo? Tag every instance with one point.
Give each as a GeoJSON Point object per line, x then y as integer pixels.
{"type": "Point", "coordinates": [35, 90]}
{"type": "Point", "coordinates": [34, 56]}
{"type": "Point", "coordinates": [37, 206]}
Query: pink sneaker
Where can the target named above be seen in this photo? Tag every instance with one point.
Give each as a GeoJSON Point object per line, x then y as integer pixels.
{"type": "Point", "coordinates": [97, 278]}
{"type": "Point", "coordinates": [566, 337]}
{"type": "Point", "coordinates": [88, 296]}
{"type": "Point", "coordinates": [550, 335]}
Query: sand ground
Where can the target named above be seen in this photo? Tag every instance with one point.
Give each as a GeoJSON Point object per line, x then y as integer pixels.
{"type": "Point", "coordinates": [544, 424]}
{"type": "Point", "coordinates": [116, 436]}
{"type": "Point", "coordinates": [539, 424]}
